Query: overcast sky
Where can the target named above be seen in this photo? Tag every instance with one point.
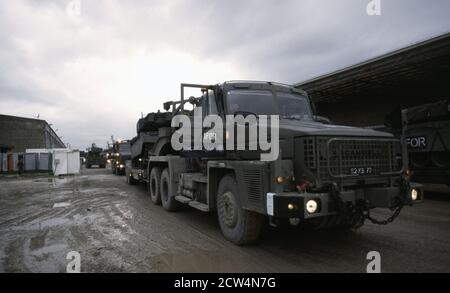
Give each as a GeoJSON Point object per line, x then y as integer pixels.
{"type": "Point", "coordinates": [91, 75]}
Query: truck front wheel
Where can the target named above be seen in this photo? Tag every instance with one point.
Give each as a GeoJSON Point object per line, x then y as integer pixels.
{"type": "Point", "coordinates": [238, 225]}
{"type": "Point", "coordinates": [153, 185]}
{"type": "Point", "coordinates": [167, 199]}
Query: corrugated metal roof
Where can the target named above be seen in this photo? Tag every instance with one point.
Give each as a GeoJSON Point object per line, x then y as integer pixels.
{"type": "Point", "coordinates": [426, 63]}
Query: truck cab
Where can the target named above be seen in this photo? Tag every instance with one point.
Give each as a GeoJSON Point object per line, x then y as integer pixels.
{"type": "Point", "coordinates": [122, 153]}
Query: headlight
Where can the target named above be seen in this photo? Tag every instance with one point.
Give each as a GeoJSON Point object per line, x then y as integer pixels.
{"type": "Point", "coordinates": [414, 194]}
{"type": "Point", "coordinates": [121, 166]}
{"type": "Point", "coordinates": [280, 179]}
{"type": "Point", "coordinates": [311, 206]}
{"type": "Point", "coordinates": [109, 161]}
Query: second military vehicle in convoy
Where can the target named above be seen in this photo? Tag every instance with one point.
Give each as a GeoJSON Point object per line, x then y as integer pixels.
{"type": "Point", "coordinates": [323, 175]}
{"type": "Point", "coordinates": [95, 157]}
{"type": "Point", "coordinates": [121, 153]}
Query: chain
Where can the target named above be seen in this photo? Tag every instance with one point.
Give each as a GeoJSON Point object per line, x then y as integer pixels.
{"type": "Point", "coordinates": [400, 204]}
{"type": "Point", "coordinates": [355, 215]}
{"type": "Point", "coordinates": [388, 220]}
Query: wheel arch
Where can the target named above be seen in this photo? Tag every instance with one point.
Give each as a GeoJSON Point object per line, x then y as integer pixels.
{"type": "Point", "coordinates": [252, 179]}
{"type": "Point", "coordinates": [215, 175]}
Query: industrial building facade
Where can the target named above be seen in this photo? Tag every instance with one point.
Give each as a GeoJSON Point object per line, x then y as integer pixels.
{"type": "Point", "coordinates": [18, 134]}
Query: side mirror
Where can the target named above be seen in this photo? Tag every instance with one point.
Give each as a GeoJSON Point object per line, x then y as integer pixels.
{"type": "Point", "coordinates": [195, 101]}
{"type": "Point", "coordinates": [167, 106]}
{"type": "Point", "coordinates": [192, 100]}
{"type": "Point", "coordinates": [322, 119]}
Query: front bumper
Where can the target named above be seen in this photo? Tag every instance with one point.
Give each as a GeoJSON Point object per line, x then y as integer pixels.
{"type": "Point", "coordinates": [293, 205]}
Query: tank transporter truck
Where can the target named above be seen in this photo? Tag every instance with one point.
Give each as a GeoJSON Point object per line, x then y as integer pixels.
{"type": "Point", "coordinates": [323, 175]}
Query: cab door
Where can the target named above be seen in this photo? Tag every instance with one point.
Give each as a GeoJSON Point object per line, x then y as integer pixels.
{"type": "Point", "coordinates": [213, 128]}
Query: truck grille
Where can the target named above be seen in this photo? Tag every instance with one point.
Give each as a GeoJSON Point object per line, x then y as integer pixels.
{"type": "Point", "coordinates": [349, 157]}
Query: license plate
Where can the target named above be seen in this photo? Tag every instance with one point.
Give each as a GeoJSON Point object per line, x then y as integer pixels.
{"type": "Point", "coordinates": [361, 171]}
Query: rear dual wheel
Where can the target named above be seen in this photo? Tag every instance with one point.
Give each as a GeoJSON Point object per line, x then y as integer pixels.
{"type": "Point", "coordinates": [167, 199]}
{"type": "Point", "coordinates": [160, 189]}
{"type": "Point", "coordinates": [153, 185]}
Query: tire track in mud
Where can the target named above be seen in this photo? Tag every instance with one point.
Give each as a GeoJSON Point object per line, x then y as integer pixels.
{"type": "Point", "coordinates": [32, 209]}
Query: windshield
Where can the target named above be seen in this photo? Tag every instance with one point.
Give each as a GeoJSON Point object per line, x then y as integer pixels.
{"type": "Point", "coordinates": [249, 101]}
{"type": "Point", "coordinates": [293, 105]}
{"type": "Point", "coordinates": [262, 102]}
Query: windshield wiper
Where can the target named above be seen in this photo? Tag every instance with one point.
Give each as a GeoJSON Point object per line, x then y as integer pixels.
{"type": "Point", "coordinates": [245, 113]}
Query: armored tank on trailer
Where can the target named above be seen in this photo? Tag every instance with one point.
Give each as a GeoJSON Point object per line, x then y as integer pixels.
{"type": "Point", "coordinates": [153, 135]}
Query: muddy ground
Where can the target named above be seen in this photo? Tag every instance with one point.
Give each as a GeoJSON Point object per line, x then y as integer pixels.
{"type": "Point", "coordinates": [116, 228]}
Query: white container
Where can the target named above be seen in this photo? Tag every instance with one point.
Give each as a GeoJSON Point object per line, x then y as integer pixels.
{"type": "Point", "coordinates": [66, 162]}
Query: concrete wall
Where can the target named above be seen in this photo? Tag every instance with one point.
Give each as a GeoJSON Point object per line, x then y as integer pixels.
{"type": "Point", "coordinates": [25, 133]}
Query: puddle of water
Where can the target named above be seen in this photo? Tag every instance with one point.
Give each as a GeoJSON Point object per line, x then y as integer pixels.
{"type": "Point", "coordinates": [61, 205]}
{"type": "Point", "coordinates": [58, 181]}
{"type": "Point", "coordinates": [41, 224]}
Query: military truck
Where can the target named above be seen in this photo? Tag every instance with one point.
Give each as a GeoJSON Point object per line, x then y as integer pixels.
{"type": "Point", "coordinates": [323, 175]}
{"type": "Point", "coordinates": [426, 130]}
{"type": "Point", "coordinates": [121, 153]}
{"type": "Point", "coordinates": [95, 157]}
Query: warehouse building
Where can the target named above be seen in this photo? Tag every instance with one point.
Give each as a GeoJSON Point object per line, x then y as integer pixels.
{"type": "Point", "coordinates": [18, 134]}
{"type": "Point", "coordinates": [364, 94]}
